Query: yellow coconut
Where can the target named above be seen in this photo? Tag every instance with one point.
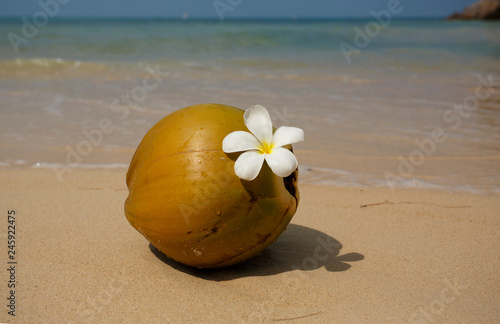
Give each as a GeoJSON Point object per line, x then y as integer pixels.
{"type": "Point", "coordinates": [185, 198]}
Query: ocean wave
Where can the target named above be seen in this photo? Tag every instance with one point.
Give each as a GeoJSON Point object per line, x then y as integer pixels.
{"type": "Point", "coordinates": [48, 165]}
{"type": "Point", "coordinates": [343, 178]}
{"type": "Point", "coordinates": [32, 67]}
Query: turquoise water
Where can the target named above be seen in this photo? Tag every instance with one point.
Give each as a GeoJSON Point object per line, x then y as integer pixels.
{"type": "Point", "coordinates": [432, 43]}
{"type": "Point", "coordinates": [362, 109]}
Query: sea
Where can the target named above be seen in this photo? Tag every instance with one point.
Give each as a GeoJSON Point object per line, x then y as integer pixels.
{"type": "Point", "coordinates": [399, 103]}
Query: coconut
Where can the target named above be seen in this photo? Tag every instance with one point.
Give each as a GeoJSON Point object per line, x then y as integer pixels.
{"type": "Point", "coordinates": [186, 199]}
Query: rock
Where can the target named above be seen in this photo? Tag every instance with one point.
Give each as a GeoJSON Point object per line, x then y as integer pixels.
{"type": "Point", "coordinates": [483, 9]}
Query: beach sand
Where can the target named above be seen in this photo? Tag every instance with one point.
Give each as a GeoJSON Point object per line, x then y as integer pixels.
{"type": "Point", "coordinates": [349, 255]}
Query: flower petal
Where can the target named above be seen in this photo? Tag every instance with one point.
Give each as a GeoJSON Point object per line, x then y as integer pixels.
{"type": "Point", "coordinates": [287, 135]}
{"type": "Point", "coordinates": [282, 161]}
{"type": "Point", "coordinates": [259, 122]}
{"type": "Point", "coordinates": [248, 165]}
{"type": "Point", "coordinates": [239, 141]}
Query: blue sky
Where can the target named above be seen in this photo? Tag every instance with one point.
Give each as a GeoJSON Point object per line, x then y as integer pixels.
{"type": "Point", "coordinates": [240, 8]}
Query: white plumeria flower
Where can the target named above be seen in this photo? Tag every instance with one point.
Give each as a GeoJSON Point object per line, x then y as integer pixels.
{"type": "Point", "coordinates": [262, 145]}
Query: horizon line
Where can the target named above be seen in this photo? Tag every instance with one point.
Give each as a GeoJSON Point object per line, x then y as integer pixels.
{"type": "Point", "coordinates": [199, 18]}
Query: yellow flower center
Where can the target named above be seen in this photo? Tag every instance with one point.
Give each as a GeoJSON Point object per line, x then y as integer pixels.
{"type": "Point", "coordinates": [266, 148]}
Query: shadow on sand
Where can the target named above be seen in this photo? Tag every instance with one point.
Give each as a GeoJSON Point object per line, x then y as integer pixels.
{"type": "Point", "coordinates": [299, 248]}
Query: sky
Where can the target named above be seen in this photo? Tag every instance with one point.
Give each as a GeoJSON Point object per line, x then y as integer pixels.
{"type": "Point", "coordinates": [232, 9]}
